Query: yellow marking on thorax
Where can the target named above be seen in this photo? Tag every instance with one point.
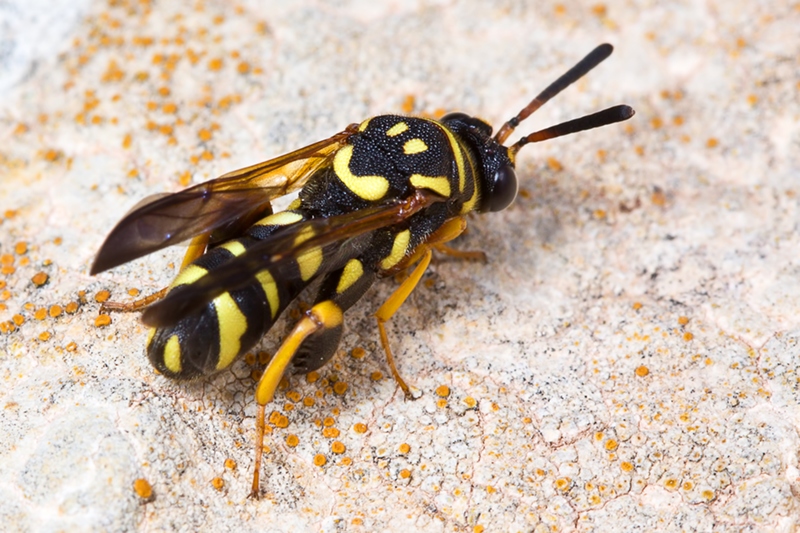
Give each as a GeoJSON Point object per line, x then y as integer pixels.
{"type": "Point", "coordinates": [369, 188]}
{"type": "Point", "coordinates": [188, 275]}
{"type": "Point", "coordinates": [232, 325]}
{"type": "Point", "coordinates": [172, 354]}
{"type": "Point", "coordinates": [234, 247]}
{"type": "Point", "coordinates": [296, 203]}
{"type": "Point", "coordinates": [364, 125]}
{"type": "Point", "coordinates": [270, 289]}
{"type": "Point", "coordinates": [437, 184]}
{"type": "Point", "coordinates": [455, 147]}
{"type": "Point", "coordinates": [351, 273]}
{"type": "Point", "coordinates": [284, 218]}
{"type": "Point", "coordinates": [414, 146]}
{"type": "Point", "coordinates": [399, 248]}
{"type": "Point", "coordinates": [397, 129]}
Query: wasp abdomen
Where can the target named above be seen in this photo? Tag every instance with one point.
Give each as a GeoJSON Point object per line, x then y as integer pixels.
{"type": "Point", "coordinates": [232, 323]}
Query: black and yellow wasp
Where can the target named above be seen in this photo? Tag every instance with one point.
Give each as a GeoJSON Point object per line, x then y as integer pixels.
{"type": "Point", "coordinates": [374, 200]}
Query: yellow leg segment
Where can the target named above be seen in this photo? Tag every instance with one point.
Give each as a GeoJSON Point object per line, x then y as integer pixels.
{"type": "Point", "coordinates": [390, 307]}
{"type": "Point", "coordinates": [197, 247]}
{"type": "Point", "coordinates": [323, 315]}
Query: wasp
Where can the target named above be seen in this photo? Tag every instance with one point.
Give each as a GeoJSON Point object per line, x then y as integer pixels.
{"type": "Point", "coordinates": [374, 200]}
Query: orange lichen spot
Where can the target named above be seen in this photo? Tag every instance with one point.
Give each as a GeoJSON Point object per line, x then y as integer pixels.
{"type": "Point", "coordinates": [18, 319]}
{"type": "Point", "coordinates": [142, 41]}
{"type": "Point", "coordinates": [677, 120]}
{"type": "Point", "coordinates": [102, 321]}
{"type": "Point", "coordinates": [52, 155]}
{"type": "Point", "coordinates": [601, 155]}
{"type": "Point", "coordinates": [599, 435]}
{"type": "Point", "coordinates": [141, 76]}
{"type": "Point", "coordinates": [712, 142]}
{"type": "Point", "coordinates": [687, 336]}
{"type": "Point", "coordinates": [21, 248]}
{"type": "Point", "coordinates": [328, 421]}
{"type": "Point", "coordinates": [204, 134]}
{"type": "Point", "coordinates": [340, 387]}
{"type": "Point", "coordinates": [143, 489]}
{"type": "Point", "coordinates": [330, 433]}
{"type": "Point", "coordinates": [7, 270]}
{"type": "Point", "coordinates": [360, 427]}
{"type": "Point", "coordinates": [278, 419]}
{"type": "Point", "coordinates": [656, 123]}
{"type": "Point", "coordinates": [169, 108]}
{"type": "Point", "coordinates": [626, 466]}
{"type": "Point", "coordinates": [611, 445]}
{"type": "Point", "coordinates": [642, 371]}
{"type": "Point", "coordinates": [55, 311]}
{"type": "Point", "coordinates": [554, 164]}
{"type": "Point", "coordinates": [443, 391]}
{"type": "Point", "coordinates": [409, 103]}
{"type": "Point", "coordinates": [309, 401]}
{"type": "Point", "coordinates": [151, 125]}
{"type": "Point", "coordinates": [166, 129]}
{"type": "Point", "coordinates": [206, 155]}
{"type": "Point", "coordinates": [127, 141]}
{"type": "Point", "coordinates": [312, 377]}
{"type": "Point", "coordinates": [405, 473]}
{"type": "Point", "coordinates": [133, 292]}
{"type": "Point", "coordinates": [637, 305]}
{"type": "Point", "coordinates": [6, 259]}
{"type": "Point", "coordinates": [230, 464]}
{"type": "Point", "coordinates": [243, 67]}
{"type": "Point", "coordinates": [71, 347]}
{"type": "Point", "coordinates": [218, 483]}
{"type": "Point", "coordinates": [671, 483]}
{"type": "Point", "coordinates": [113, 72]}
{"type": "Point", "coordinates": [658, 198]}
{"type": "Point", "coordinates": [292, 440]}
{"type": "Point", "coordinates": [40, 314]}
{"type": "Point", "coordinates": [358, 353]}
{"type": "Point", "coordinates": [752, 99]}
{"type": "Point", "coordinates": [376, 376]}
{"type": "Point", "coordinates": [44, 336]}
{"type": "Point", "coordinates": [293, 395]}
{"type": "Point", "coordinates": [337, 447]}
{"type": "Point", "coordinates": [441, 403]}
{"type": "Point", "coordinates": [320, 460]}
{"type": "Point", "coordinates": [560, 10]}
{"type": "Point", "coordinates": [478, 529]}
{"type": "Point", "coordinates": [215, 63]}
{"type": "Point", "coordinates": [404, 448]}
{"type": "Point", "coordinates": [707, 495]}
{"type": "Point", "coordinates": [185, 178]}
{"type": "Point", "coordinates": [683, 320]}
{"type": "Point", "coordinates": [71, 307]}
{"type": "Point", "coordinates": [687, 485]}
{"type": "Point", "coordinates": [21, 129]}
{"type": "Point", "coordinates": [7, 327]}
{"type": "Point", "coordinates": [599, 214]}
{"type": "Point", "coordinates": [563, 483]}
{"type": "Point", "coordinates": [599, 10]}
{"type": "Point", "coordinates": [164, 91]}
{"type": "Point", "coordinates": [102, 296]}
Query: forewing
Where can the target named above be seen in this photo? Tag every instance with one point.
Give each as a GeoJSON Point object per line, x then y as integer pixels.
{"type": "Point", "coordinates": [166, 219]}
{"type": "Point", "coordinates": [275, 253]}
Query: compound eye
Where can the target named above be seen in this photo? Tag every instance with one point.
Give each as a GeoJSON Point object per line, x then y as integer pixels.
{"type": "Point", "coordinates": [454, 116]}
{"type": "Point", "coordinates": [504, 189]}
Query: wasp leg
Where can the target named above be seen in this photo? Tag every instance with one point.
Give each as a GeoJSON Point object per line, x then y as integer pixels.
{"type": "Point", "coordinates": [324, 315]}
{"type": "Point", "coordinates": [477, 255]}
{"type": "Point", "coordinates": [390, 307]}
{"type": "Point", "coordinates": [446, 233]}
{"type": "Point", "coordinates": [197, 247]}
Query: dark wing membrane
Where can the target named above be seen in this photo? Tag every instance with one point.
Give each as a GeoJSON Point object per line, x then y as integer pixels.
{"type": "Point", "coordinates": [166, 219]}
{"type": "Point", "coordinates": [328, 234]}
